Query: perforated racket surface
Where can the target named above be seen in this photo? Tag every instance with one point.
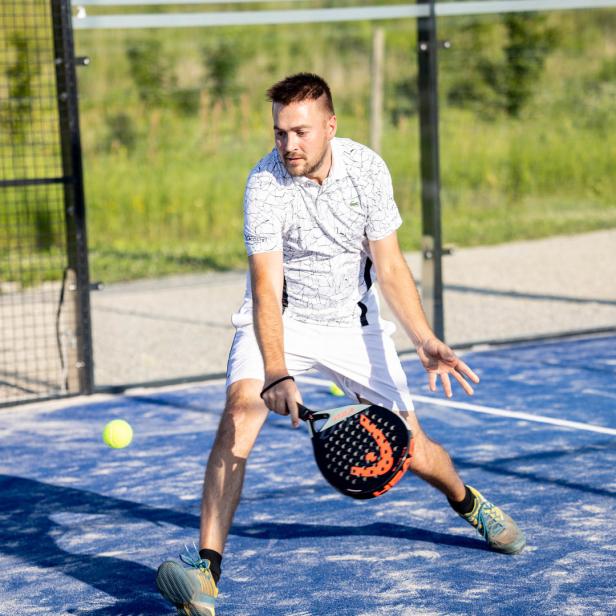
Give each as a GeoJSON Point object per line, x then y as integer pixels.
{"type": "Point", "coordinates": [361, 450]}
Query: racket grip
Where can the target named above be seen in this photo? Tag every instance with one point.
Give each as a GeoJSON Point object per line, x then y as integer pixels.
{"type": "Point", "coordinates": [304, 413]}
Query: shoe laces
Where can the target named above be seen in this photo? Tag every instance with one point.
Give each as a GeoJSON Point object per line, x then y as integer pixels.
{"type": "Point", "coordinates": [193, 559]}
{"type": "Point", "coordinates": [489, 520]}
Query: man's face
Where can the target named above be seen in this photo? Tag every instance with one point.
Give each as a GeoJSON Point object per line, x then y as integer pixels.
{"type": "Point", "coordinates": [302, 132]}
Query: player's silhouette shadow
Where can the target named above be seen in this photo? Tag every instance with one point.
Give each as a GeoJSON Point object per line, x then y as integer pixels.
{"type": "Point", "coordinates": [281, 531]}
{"type": "Point", "coordinates": [29, 513]}
{"type": "Point", "coordinates": [28, 531]}
{"type": "Point", "coordinates": [546, 460]}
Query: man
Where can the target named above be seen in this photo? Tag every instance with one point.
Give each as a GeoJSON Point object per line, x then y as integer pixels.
{"type": "Point", "coordinates": [320, 218]}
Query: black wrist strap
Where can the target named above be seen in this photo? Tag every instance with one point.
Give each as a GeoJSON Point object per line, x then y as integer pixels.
{"type": "Point", "coordinates": [284, 378]}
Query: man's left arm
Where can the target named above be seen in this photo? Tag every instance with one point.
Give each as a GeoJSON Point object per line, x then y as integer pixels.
{"type": "Point", "coordinates": [399, 289]}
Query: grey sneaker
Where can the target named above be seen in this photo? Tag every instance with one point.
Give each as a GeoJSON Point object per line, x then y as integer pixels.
{"type": "Point", "coordinates": [191, 588]}
{"type": "Point", "coordinates": [495, 526]}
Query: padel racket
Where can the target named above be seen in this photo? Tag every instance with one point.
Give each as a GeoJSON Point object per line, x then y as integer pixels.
{"type": "Point", "coordinates": [362, 450]}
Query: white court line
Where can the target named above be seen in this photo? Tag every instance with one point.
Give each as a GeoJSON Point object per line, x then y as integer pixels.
{"type": "Point", "coordinates": [489, 410]}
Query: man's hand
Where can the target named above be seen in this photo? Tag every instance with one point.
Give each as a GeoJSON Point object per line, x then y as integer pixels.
{"type": "Point", "coordinates": [438, 359]}
{"type": "Point", "coordinates": [283, 398]}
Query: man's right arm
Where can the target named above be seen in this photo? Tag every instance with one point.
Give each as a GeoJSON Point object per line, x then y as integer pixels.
{"type": "Point", "coordinates": [266, 280]}
{"type": "Point", "coordinates": [266, 272]}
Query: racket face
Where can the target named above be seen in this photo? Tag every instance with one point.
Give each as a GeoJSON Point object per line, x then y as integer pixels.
{"type": "Point", "coordinates": [362, 450]}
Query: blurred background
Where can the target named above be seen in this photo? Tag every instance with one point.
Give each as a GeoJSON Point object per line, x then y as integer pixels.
{"type": "Point", "coordinates": [172, 120]}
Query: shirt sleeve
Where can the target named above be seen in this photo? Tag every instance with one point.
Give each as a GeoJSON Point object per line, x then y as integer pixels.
{"type": "Point", "coordinates": [383, 217]}
{"type": "Point", "coordinates": [262, 221]}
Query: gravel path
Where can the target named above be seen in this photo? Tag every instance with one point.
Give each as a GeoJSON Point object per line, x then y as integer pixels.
{"type": "Point", "coordinates": [180, 326]}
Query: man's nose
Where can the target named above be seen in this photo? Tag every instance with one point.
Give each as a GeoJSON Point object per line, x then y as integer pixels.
{"type": "Point", "coordinates": [290, 143]}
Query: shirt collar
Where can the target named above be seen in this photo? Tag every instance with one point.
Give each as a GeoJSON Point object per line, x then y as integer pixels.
{"type": "Point", "coordinates": [338, 168]}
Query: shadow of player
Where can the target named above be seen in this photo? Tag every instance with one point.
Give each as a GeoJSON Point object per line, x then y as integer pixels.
{"type": "Point", "coordinates": [27, 533]}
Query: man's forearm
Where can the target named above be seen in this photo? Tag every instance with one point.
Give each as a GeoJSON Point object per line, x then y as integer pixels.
{"type": "Point", "coordinates": [400, 291]}
{"type": "Point", "coordinates": [266, 275]}
{"type": "Point", "coordinates": [267, 318]}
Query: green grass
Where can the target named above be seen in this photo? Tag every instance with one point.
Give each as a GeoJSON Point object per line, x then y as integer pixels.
{"type": "Point", "coordinates": [164, 180]}
{"type": "Point", "coordinates": [179, 208]}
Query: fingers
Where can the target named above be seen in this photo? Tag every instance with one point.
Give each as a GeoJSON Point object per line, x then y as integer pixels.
{"type": "Point", "coordinates": [466, 371]}
{"type": "Point", "coordinates": [463, 382]}
{"type": "Point", "coordinates": [446, 383]}
{"type": "Point", "coordinates": [283, 399]}
{"type": "Point", "coordinates": [276, 398]}
{"type": "Point", "coordinates": [439, 359]}
{"type": "Point", "coordinates": [432, 380]}
{"type": "Point", "coordinates": [460, 372]}
{"type": "Point", "coordinates": [294, 412]}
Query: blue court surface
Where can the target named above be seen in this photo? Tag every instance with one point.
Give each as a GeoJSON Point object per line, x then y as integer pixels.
{"type": "Point", "coordinates": [84, 527]}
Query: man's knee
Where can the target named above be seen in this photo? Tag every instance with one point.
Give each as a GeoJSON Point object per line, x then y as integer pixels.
{"type": "Point", "coordinates": [242, 418]}
{"type": "Point", "coordinates": [424, 454]}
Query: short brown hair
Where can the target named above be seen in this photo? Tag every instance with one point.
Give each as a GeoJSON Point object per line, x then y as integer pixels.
{"type": "Point", "coordinates": [301, 87]}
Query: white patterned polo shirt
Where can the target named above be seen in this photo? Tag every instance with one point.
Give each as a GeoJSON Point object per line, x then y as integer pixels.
{"type": "Point", "coordinates": [323, 232]}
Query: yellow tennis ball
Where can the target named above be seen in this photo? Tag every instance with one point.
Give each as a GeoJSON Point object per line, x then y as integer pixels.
{"type": "Point", "coordinates": [334, 390]}
{"type": "Point", "coordinates": [118, 434]}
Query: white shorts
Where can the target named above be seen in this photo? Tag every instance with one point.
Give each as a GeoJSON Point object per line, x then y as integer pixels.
{"type": "Point", "coordinates": [362, 361]}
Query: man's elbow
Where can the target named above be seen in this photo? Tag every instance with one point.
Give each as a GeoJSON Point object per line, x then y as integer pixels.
{"type": "Point", "coordinates": [392, 272]}
{"type": "Point", "coordinates": [265, 293]}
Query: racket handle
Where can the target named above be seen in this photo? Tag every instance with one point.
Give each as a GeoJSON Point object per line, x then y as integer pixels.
{"type": "Point", "coordinates": [304, 413]}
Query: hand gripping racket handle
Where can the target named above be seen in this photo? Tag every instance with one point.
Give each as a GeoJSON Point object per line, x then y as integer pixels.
{"type": "Point", "coordinates": [305, 414]}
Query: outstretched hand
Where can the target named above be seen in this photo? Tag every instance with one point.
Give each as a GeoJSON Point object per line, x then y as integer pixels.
{"type": "Point", "coordinates": [439, 360]}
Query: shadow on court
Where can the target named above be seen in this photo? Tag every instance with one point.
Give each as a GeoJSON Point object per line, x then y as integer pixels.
{"type": "Point", "coordinates": [28, 532]}
{"type": "Point", "coordinates": [501, 466]}
{"type": "Point", "coordinates": [281, 531]}
{"type": "Point", "coordinates": [83, 527]}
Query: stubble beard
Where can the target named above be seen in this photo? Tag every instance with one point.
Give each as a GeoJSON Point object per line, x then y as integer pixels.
{"type": "Point", "coordinates": [306, 171]}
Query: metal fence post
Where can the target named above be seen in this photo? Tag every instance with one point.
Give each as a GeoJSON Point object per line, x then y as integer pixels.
{"type": "Point", "coordinates": [80, 371]}
{"type": "Point", "coordinates": [432, 252]}
{"type": "Point", "coordinates": [376, 94]}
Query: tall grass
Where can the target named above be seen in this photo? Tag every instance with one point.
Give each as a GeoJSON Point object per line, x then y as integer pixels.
{"type": "Point", "coordinates": [166, 160]}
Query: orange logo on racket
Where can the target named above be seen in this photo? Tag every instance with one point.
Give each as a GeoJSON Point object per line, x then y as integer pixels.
{"type": "Point", "coordinates": [343, 413]}
{"type": "Point", "coordinates": [385, 459]}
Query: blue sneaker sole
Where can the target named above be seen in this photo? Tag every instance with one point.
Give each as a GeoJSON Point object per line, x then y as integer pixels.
{"type": "Point", "coordinates": [174, 585]}
{"type": "Point", "coordinates": [179, 589]}
{"type": "Point", "coordinates": [514, 548]}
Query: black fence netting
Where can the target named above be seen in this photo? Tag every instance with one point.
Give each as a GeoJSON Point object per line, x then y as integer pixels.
{"type": "Point", "coordinates": [41, 324]}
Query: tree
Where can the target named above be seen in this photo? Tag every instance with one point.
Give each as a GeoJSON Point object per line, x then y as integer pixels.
{"type": "Point", "coordinates": [504, 63]}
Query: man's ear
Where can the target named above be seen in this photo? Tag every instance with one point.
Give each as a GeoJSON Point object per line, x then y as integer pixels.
{"type": "Point", "coordinates": [332, 125]}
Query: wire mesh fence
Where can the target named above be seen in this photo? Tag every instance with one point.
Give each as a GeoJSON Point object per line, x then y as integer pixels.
{"type": "Point", "coordinates": [175, 118]}
{"type": "Point", "coordinates": [38, 320]}
{"type": "Point", "coordinates": [525, 102]}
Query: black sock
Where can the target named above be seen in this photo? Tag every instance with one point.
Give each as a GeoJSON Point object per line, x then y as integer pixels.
{"type": "Point", "coordinates": [465, 505]}
{"type": "Point", "coordinates": [215, 559]}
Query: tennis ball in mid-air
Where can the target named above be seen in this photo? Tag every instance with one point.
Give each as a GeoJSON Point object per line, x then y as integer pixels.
{"type": "Point", "coordinates": [118, 434]}
{"type": "Point", "coordinates": [334, 390]}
